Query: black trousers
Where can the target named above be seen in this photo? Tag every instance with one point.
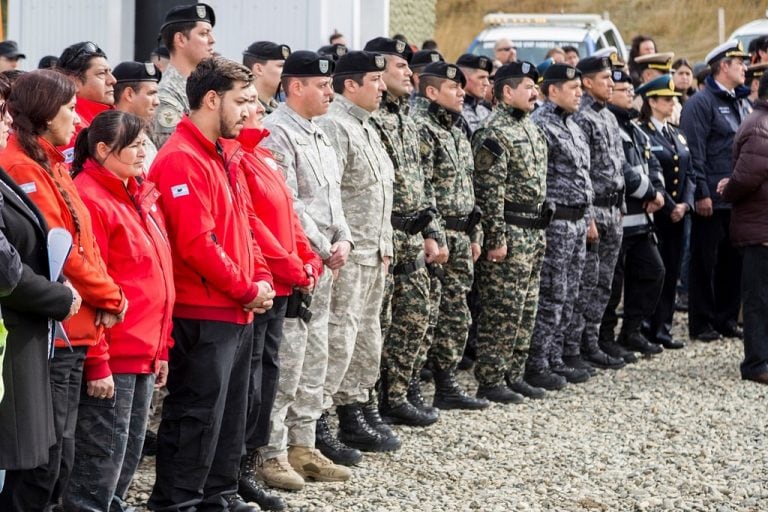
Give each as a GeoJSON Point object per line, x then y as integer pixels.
{"type": "Point", "coordinates": [714, 282]}
{"type": "Point", "coordinates": [754, 290]}
{"type": "Point", "coordinates": [640, 272]}
{"type": "Point", "coordinates": [265, 370]}
{"type": "Point", "coordinates": [671, 250]}
{"type": "Point", "coordinates": [202, 431]}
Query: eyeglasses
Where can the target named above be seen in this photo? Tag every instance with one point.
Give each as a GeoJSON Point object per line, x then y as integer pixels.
{"type": "Point", "coordinates": [629, 90]}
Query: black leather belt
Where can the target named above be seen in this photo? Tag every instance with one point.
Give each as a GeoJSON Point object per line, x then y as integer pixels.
{"type": "Point", "coordinates": [456, 223]}
{"type": "Point", "coordinates": [612, 199]}
{"type": "Point", "coordinates": [509, 206]}
{"type": "Point", "coordinates": [402, 222]}
{"type": "Point", "coordinates": [512, 215]}
{"type": "Point", "coordinates": [563, 212]}
{"type": "Point", "coordinates": [408, 267]}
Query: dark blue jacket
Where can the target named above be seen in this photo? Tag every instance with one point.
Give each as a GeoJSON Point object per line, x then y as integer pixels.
{"type": "Point", "coordinates": [709, 121]}
{"type": "Point", "coordinates": [675, 160]}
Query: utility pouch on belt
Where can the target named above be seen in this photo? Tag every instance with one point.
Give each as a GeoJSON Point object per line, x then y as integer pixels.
{"type": "Point", "coordinates": [298, 306]}
{"type": "Point", "coordinates": [422, 220]}
{"type": "Point", "coordinates": [473, 219]}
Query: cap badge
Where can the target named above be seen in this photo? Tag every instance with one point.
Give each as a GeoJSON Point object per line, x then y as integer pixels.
{"type": "Point", "coordinates": [450, 72]}
{"type": "Point", "coordinates": [286, 52]}
{"type": "Point", "coordinates": [150, 68]}
{"type": "Point", "coordinates": [525, 68]}
{"type": "Point", "coordinates": [616, 76]}
{"type": "Point", "coordinates": [570, 73]}
{"type": "Point", "coordinates": [379, 61]}
{"type": "Point", "coordinates": [400, 46]}
{"type": "Point", "coordinates": [200, 10]}
{"type": "Point", "coordinates": [483, 62]}
{"type": "Point", "coordinates": [434, 57]}
{"type": "Point", "coordinates": [341, 50]}
{"type": "Point", "coordinates": [323, 64]}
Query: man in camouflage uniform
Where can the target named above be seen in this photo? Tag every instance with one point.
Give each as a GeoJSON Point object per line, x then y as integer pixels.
{"type": "Point", "coordinates": [446, 158]}
{"type": "Point", "coordinates": [607, 166]}
{"type": "Point", "coordinates": [354, 330]}
{"type": "Point", "coordinates": [187, 32]}
{"type": "Point", "coordinates": [510, 186]}
{"type": "Point", "coordinates": [569, 188]}
{"type": "Point", "coordinates": [306, 157]}
{"type": "Point", "coordinates": [476, 69]}
{"type": "Point", "coordinates": [412, 216]}
{"type": "Point", "coordinates": [266, 59]}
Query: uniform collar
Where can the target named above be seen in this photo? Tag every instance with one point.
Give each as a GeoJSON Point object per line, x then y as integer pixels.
{"type": "Point", "coordinates": [88, 109]}
{"type": "Point", "coordinates": [111, 182]}
{"type": "Point", "coordinates": [589, 101]}
{"type": "Point", "coordinates": [345, 104]}
{"type": "Point", "coordinates": [307, 125]}
{"type": "Point", "coordinates": [515, 113]}
{"type": "Point", "coordinates": [213, 149]}
{"type": "Point", "coordinates": [249, 138]}
{"type": "Point", "coordinates": [443, 116]}
{"type": "Point", "coordinates": [395, 105]}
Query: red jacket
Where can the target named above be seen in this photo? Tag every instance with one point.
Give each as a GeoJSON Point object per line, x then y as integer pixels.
{"type": "Point", "coordinates": [86, 111]}
{"type": "Point", "coordinates": [84, 266]}
{"type": "Point", "coordinates": [130, 231]}
{"type": "Point", "coordinates": [275, 224]}
{"type": "Point", "coordinates": [216, 261]}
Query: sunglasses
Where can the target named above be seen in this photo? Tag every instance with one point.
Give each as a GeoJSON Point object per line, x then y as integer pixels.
{"type": "Point", "coordinates": [86, 49]}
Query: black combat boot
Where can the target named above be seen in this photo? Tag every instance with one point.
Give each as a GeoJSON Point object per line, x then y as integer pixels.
{"type": "Point", "coordinates": [405, 413]}
{"type": "Point", "coordinates": [354, 431]}
{"type": "Point", "coordinates": [600, 359]}
{"type": "Point", "coordinates": [330, 446]}
{"type": "Point", "coordinates": [572, 375]}
{"type": "Point", "coordinates": [500, 394]}
{"type": "Point", "coordinates": [578, 363]}
{"type": "Point", "coordinates": [636, 341]}
{"type": "Point", "coordinates": [251, 489]}
{"type": "Point", "coordinates": [414, 396]}
{"type": "Point", "coordinates": [615, 350]}
{"type": "Point", "coordinates": [545, 380]}
{"type": "Point", "coordinates": [523, 388]}
{"type": "Point", "coordinates": [373, 419]}
{"type": "Point", "coordinates": [235, 503]}
{"type": "Point", "coordinates": [449, 395]}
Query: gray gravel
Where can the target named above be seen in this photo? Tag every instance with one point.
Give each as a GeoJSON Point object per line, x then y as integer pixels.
{"type": "Point", "coordinates": [679, 431]}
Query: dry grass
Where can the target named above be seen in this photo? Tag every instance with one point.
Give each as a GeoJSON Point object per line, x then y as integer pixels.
{"type": "Point", "coordinates": [687, 27]}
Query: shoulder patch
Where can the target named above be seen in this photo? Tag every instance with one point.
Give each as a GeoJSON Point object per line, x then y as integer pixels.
{"type": "Point", "coordinates": [168, 117]}
{"type": "Point", "coordinates": [28, 188]}
{"type": "Point", "coordinates": [494, 147]}
{"type": "Point", "coordinates": [486, 154]}
{"type": "Point", "coordinates": [278, 157]}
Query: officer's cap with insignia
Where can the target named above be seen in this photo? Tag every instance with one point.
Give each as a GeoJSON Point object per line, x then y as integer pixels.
{"type": "Point", "coordinates": [755, 72]}
{"type": "Point", "coordinates": [267, 50]}
{"type": "Point", "coordinates": [334, 51]}
{"type": "Point", "coordinates": [423, 57]}
{"type": "Point", "coordinates": [360, 62]}
{"type": "Point", "coordinates": [519, 69]}
{"type": "Point", "coordinates": [560, 72]}
{"type": "Point", "coordinates": [660, 86]}
{"type": "Point", "coordinates": [189, 14]}
{"type": "Point", "coordinates": [594, 64]}
{"type": "Point", "coordinates": [472, 61]}
{"type": "Point", "coordinates": [131, 71]}
{"type": "Point", "coordinates": [388, 46]}
{"type": "Point", "coordinates": [543, 67]}
{"type": "Point", "coordinates": [306, 63]}
{"type": "Point", "coordinates": [445, 70]}
{"type": "Point", "coordinates": [619, 75]}
{"type": "Point", "coordinates": [660, 61]}
{"type": "Point", "coordinates": [613, 55]}
{"type": "Point", "coordinates": [728, 50]}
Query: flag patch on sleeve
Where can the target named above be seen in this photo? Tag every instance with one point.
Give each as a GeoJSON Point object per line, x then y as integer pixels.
{"type": "Point", "coordinates": [179, 190]}
{"type": "Point", "coordinates": [28, 188]}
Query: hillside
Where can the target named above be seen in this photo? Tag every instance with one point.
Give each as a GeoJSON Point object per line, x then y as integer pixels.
{"type": "Point", "coordinates": [687, 27]}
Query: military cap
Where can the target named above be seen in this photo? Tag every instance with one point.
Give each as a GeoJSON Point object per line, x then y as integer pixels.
{"type": "Point", "coordinates": [388, 46]}
{"type": "Point", "coordinates": [560, 72]}
{"type": "Point", "coordinates": [306, 63]}
{"type": "Point", "coordinates": [471, 61]}
{"type": "Point", "coordinates": [519, 69]}
{"type": "Point", "coordinates": [613, 55]}
{"type": "Point", "coordinates": [445, 70]}
{"type": "Point", "coordinates": [543, 67]}
{"type": "Point", "coordinates": [189, 14]}
{"type": "Point", "coordinates": [727, 50]}
{"type": "Point", "coordinates": [594, 65]}
{"type": "Point", "coordinates": [619, 75]}
{"type": "Point", "coordinates": [10, 50]}
{"type": "Point", "coordinates": [360, 62]}
{"type": "Point", "coordinates": [267, 50]}
{"type": "Point", "coordinates": [131, 71]}
{"type": "Point", "coordinates": [334, 51]}
{"type": "Point", "coordinates": [424, 57]}
{"type": "Point", "coordinates": [660, 61]}
{"type": "Point", "coordinates": [161, 51]}
{"type": "Point", "coordinates": [756, 71]}
{"type": "Point", "coordinates": [660, 86]}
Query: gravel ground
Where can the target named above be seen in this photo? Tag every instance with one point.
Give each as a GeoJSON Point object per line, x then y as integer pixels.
{"type": "Point", "coordinates": [679, 431]}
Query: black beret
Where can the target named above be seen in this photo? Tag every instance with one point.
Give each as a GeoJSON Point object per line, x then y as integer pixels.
{"type": "Point", "coordinates": [188, 14]}
{"type": "Point", "coordinates": [560, 73]}
{"type": "Point", "coordinates": [594, 65]}
{"type": "Point", "coordinates": [306, 63]}
{"type": "Point", "coordinates": [517, 69]}
{"type": "Point", "coordinates": [389, 46]}
{"type": "Point", "coordinates": [619, 75]}
{"type": "Point", "coordinates": [424, 57]}
{"type": "Point", "coordinates": [131, 71]}
{"type": "Point", "coordinates": [333, 51]}
{"type": "Point", "coordinates": [469, 60]}
{"type": "Point", "coordinates": [360, 62]}
{"type": "Point", "coordinates": [267, 50]}
{"type": "Point", "coordinates": [161, 51]}
{"type": "Point", "coordinates": [445, 70]}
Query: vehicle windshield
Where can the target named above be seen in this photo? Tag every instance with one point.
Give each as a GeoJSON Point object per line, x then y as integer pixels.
{"type": "Point", "coordinates": [532, 51]}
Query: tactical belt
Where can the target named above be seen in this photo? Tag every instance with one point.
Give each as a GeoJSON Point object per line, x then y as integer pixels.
{"type": "Point", "coordinates": [456, 223]}
{"type": "Point", "coordinates": [612, 199]}
{"type": "Point", "coordinates": [563, 212]}
{"type": "Point", "coordinates": [512, 211]}
{"type": "Point", "coordinates": [407, 268]}
{"type": "Point", "coordinates": [402, 222]}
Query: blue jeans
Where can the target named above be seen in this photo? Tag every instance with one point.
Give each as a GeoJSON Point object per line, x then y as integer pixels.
{"type": "Point", "coordinates": [108, 442]}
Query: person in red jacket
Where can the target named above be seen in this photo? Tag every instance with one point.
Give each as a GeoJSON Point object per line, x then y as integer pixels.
{"type": "Point", "coordinates": [221, 280]}
{"type": "Point", "coordinates": [130, 231]}
{"type": "Point", "coordinates": [42, 105]}
{"type": "Point", "coordinates": [294, 266]}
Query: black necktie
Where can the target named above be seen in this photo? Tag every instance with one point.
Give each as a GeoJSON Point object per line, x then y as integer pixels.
{"type": "Point", "coordinates": [668, 135]}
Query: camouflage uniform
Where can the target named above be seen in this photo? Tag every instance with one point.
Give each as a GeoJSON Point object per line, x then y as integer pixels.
{"type": "Point", "coordinates": [607, 165]}
{"type": "Point", "coordinates": [568, 184]}
{"type": "Point", "coordinates": [446, 159]}
{"type": "Point", "coordinates": [510, 167]}
{"type": "Point", "coordinates": [474, 112]}
{"type": "Point", "coordinates": [172, 93]}
{"type": "Point", "coordinates": [306, 157]}
{"type": "Point", "coordinates": [354, 331]}
{"type": "Point", "coordinates": [269, 104]}
{"type": "Point", "coordinates": [404, 340]}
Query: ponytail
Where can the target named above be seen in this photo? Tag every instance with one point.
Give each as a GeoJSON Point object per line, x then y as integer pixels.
{"type": "Point", "coordinates": [81, 152]}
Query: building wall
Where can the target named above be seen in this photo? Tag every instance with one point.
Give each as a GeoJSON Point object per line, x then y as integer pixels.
{"type": "Point", "coordinates": [413, 18]}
